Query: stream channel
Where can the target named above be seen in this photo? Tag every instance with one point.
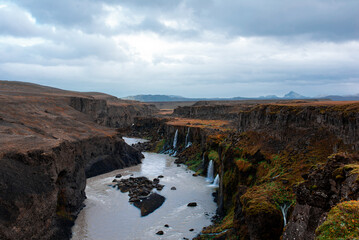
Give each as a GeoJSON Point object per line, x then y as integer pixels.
{"type": "Point", "coordinates": [109, 216]}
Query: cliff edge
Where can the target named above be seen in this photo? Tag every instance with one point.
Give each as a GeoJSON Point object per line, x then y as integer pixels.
{"type": "Point", "coordinates": [50, 141]}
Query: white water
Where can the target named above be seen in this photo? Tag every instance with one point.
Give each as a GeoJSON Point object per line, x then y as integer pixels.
{"type": "Point", "coordinates": [187, 142]}
{"type": "Point", "coordinates": [109, 216]}
{"type": "Point", "coordinates": [210, 172]}
{"type": "Point", "coordinates": [175, 140]}
{"type": "Point", "coordinates": [215, 182]}
{"type": "Point", "coordinates": [284, 208]}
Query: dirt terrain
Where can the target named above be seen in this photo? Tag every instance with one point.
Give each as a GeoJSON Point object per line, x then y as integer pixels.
{"type": "Point", "coordinates": [39, 117]}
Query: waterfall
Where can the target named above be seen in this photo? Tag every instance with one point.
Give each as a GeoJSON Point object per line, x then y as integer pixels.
{"type": "Point", "coordinates": [175, 140]}
{"type": "Point", "coordinates": [284, 208]}
{"type": "Point", "coordinates": [187, 142]}
{"type": "Point", "coordinates": [215, 182]}
{"type": "Point", "coordinates": [210, 172]}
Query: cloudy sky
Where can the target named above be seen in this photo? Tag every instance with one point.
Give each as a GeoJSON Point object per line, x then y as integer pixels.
{"type": "Point", "coordinates": [193, 48]}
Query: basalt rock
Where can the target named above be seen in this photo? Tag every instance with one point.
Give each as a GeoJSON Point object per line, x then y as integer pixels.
{"type": "Point", "coordinates": [111, 111]}
{"type": "Point", "coordinates": [325, 187]}
{"type": "Point", "coordinates": [49, 143]}
{"type": "Point", "coordinates": [140, 193]}
{"type": "Point", "coordinates": [41, 192]}
{"type": "Point", "coordinates": [192, 204]}
{"type": "Point", "coordinates": [150, 203]}
{"type": "Point", "coordinates": [111, 154]}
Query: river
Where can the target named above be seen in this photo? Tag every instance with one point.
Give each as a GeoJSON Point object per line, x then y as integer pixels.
{"type": "Point", "coordinates": [109, 216]}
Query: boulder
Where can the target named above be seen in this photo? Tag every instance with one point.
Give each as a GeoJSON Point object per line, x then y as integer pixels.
{"type": "Point", "coordinates": [192, 204]}
{"type": "Point", "coordinates": [150, 204]}
{"type": "Point", "coordinates": [159, 233]}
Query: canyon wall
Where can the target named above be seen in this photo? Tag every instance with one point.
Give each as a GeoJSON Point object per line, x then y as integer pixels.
{"type": "Point", "coordinates": [340, 120]}
{"type": "Point", "coordinates": [115, 113]}
{"type": "Point", "coordinates": [49, 143]}
{"type": "Point", "coordinates": [270, 149]}
{"type": "Point", "coordinates": [41, 192]}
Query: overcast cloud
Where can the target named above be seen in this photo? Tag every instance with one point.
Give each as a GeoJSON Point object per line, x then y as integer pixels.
{"type": "Point", "coordinates": [197, 48]}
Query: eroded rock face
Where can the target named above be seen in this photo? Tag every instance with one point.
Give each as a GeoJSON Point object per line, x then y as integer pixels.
{"type": "Point", "coordinates": [41, 192]}
{"type": "Point", "coordinates": [111, 154]}
{"type": "Point", "coordinates": [47, 148]}
{"type": "Point", "coordinates": [340, 120]}
{"type": "Point", "coordinates": [325, 187]}
{"type": "Point", "coordinates": [112, 112]}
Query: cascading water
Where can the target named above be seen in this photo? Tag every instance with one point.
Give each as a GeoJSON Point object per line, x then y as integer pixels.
{"type": "Point", "coordinates": [187, 142]}
{"type": "Point", "coordinates": [215, 182]}
{"type": "Point", "coordinates": [284, 208]}
{"type": "Point", "coordinates": [175, 140]}
{"type": "Point", "coordinates": [210, 172]}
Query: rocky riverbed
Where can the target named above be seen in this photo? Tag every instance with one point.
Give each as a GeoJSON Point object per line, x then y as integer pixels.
{"type": "Point", "coordinates": [109, 214]}
{"type": "Point", "coordinates": [140, 192]}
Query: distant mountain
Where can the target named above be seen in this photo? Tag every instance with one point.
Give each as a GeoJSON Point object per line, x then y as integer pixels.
{"type": "Point", "coordinates": [269, 97]}
{"type": "Point", "coordinates": [291, 95]}
{"type": "Point", "coordinates": [294, 95]}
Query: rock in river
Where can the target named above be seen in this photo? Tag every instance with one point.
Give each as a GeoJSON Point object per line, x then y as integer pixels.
{"type": "Point", "coordinates": [150, 204]}
{"type": "Point", "coordinates": [140, 193]}
{"type": "Point", "coordinates": [192, 204]}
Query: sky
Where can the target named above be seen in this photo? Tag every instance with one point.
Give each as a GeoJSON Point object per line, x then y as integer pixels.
{"type": "Point", "coordinates": [192, 48]}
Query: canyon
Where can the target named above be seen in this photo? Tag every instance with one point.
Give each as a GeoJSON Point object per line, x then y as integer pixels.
{"type": "Point", "coordinates": [285, 167]}
{"type": "Point", "coordinates": [50, 141]}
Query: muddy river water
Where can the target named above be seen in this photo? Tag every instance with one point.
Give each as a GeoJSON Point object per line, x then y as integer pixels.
{"type": "Point", "coordinates": [109, 216]}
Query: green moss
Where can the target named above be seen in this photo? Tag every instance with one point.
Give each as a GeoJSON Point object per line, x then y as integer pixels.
{"type": "Point", "coordinates": [354, 169]}
{"type": "Point", "coordinates": [224, 224]}
{"type": "Point", "coordinates": [342, 222]}
{"type": "Point", "coordinates": [159, 145]}
{"type": "Point", "coordinates": [255, 202]}
{"type": "Point", "coordinates": [213, 155]}
{"type": "Point", "coordinates": [194, 164]}
{"type": "Point", "coordinates": [228, 177]}
{"type": "Point", "coordinates": [266, 198]}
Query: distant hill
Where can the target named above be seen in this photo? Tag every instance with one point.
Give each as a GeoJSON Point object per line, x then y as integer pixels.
{"type": "Point", "coordinates": [174, 98]}
{"type": "Point", "coordinates": [343, 98]}
{"type": "Point", "coordinates": [291, 95]}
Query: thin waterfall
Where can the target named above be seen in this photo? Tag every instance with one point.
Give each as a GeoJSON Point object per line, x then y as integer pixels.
{"type": "Point", "coordinates": [215, 182]}
{"type": "Point", "coordinates": [284, 208]}
{"type": "Point", "coordinates": [187, 142]}
{"type": "Point", "coordinates": [175, 140]}
{"type": "Point", "coordinates": [210, 172]}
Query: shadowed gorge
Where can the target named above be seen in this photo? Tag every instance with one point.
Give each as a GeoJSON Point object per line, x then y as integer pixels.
{"type": "Point", "coordinates": [277, 169]}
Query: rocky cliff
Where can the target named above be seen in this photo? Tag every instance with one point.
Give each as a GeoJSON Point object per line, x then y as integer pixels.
{"type": "Point", "coordinates": [340, 120]}
{"type": "Point", "coordinates": [325, 187]}
{"type": "Point", "coordinates": [262, 157]}
{"type": "Point", "coordinates": [112, 112]}
{"type": "Point", "coordinates": [49, 143]}
{"type": "Point", "coordinates": [42, 191]}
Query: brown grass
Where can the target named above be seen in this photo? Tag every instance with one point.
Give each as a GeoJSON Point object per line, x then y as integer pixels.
{"type": "Point", "coordinates": [200, 123]}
